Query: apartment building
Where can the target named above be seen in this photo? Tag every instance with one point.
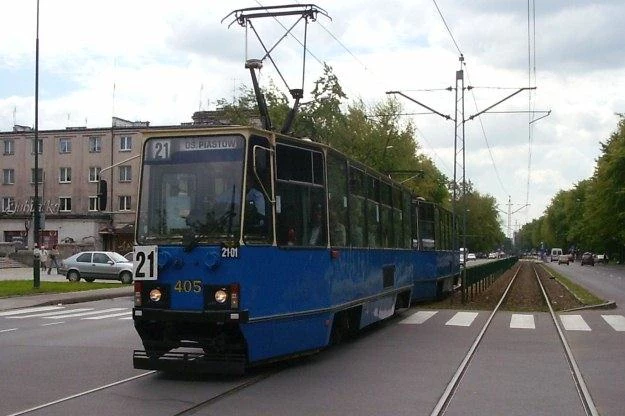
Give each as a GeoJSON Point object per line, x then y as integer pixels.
{"type": "Point", "coordinates": [71, 162]}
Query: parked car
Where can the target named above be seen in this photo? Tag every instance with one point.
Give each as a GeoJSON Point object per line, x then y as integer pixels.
{"type": "Point", "coordinates": [91, 265]}
{"type": "Point", "coordinates": [492, 255]}
{"type": "Point", "coordinates": [471, 256]}
{"type": "Point", "coordinates": [563, 259]}
{"type": "Point", "coordinates": [601, 258]}
{"type": "Point", "coordinates": [129, 256]}
{"type": "Point", "coordinates": [587, 258]}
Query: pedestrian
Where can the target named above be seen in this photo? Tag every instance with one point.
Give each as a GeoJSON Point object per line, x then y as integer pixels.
{"type": "Point", "coordinates": [53, 259]}
{"type": "Point", "coordinates": [44, 257]}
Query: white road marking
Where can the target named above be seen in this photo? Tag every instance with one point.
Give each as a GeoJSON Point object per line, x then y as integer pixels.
{"type": "Point", "coordinates": [615, 321]}
{"type": "Point", "coordinates": [46, 314]}
{"type": "Point", "coordinates": [419, 317]}
{"type": "Point", "coordinates": [462, 319]}
{"type": "Point", "coordinates": [76, 315]}
{"type": "Point", "coordinates": [30, 310]}
{"type": "Point", "coordinates": [111, 315]}
{"type": "Point", "coordinates": [126, 318]}
{"type": "Point", "coordinates": [522, 321]}
{"type": "Point", "coordinates": [574, 323]}
{"type": "Point", "coordinates": [8, 330]}
{"type": "Point", "coordinates": [53, 323]}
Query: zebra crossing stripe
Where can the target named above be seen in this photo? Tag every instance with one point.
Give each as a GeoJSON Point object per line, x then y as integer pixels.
{"type": "Point", "coordinates": [574, 323]}
{"type": "Point", "coordinates": [46, 314]}
{"type": "Point", "coordinates": [522, 321]}
{"type": "Point", "coordinates": [76, 315]}
{"type": "Point", "coordinates": [419, 317]}
{"type": "Point", "coordinates": [615, 321]}
{"type": "Point", "coordinates": [462, 319]}
{"type": "Point", "coordinates": [111, 315]}
{"type": "Point", "coordinates": [30, 310]}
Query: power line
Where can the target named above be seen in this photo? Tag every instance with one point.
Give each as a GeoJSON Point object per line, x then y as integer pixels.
{"type": "Point", "coordinates": [490, 153]}
{"type": "Point", "coordinates": [447, 27]}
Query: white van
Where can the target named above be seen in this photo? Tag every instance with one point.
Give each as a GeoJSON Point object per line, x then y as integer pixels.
{"type": "Point", "coordinates": [555, 253]}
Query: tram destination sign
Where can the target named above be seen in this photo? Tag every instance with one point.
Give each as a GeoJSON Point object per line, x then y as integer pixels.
{"type": "Point", "coordinates": [161, 149]}
{"type": "Point", "coordinates": [210, 143]}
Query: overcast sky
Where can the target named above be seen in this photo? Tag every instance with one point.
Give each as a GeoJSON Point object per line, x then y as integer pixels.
{"type": "Point", "coordinates": [159, 61]}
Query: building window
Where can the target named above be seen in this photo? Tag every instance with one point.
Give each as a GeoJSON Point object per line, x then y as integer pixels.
{"type": "Point", "coordinates": [9, 147]}
{"type": "Point", "coordinates": [65, 145]}
{"type": "Point", "coordinates": [93, 203]}
{"type": "Point", "coordinates": [124, 203]}
{"type": "Point", "coordinates": [8, 176]}
{"type": "Point", "coordinates": [39, 175]}
{"type": "Point", "coordinates": [94, 173]}
{"type": "Point", "coordinates": [8, 204]}
{"type": "Point", "coordinates": [65, 204]}
{"type": "Point", "coordinates": [125, 144]}
{"type": "Point", "coordinates": [39, 146]}
{"type": "Point", "coordinates": [65, 175]}
{"type": "Point", "coordinates": [125, 173]}
{"type": "Point", "coordinates": [95, 145]}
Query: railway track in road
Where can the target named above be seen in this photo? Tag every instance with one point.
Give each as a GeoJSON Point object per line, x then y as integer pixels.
{"type": "Point", "coordinates": [538, 273]}
{"type": "Point", "coordinates": [257, 376]}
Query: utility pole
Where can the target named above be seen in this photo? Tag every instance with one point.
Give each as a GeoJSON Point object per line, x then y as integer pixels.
{"type": "Point", "coordinates": [459, 148]}
{"type": "Point", "coordinates": [509, 213]}
{"type": "Point", "coordinates": [36, 205]}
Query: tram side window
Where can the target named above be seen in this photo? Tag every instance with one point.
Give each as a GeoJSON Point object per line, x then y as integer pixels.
{"type": "Point", "coordinates": [406, 220]}
{"type": "Point", "coordinates": [337, 195]}
{"type": "Point", "coordinates": [439, 228]}
{"type": "Point", "coordinates": [357, 192]}
{"type": "Point", "coordinates": [397, 219]}
{"type": "Point", "coordinates": [257, 224]}
{"type": "Point", "coordinates": [448, 244]}
{"type": "Point", "coordinates": [386, 216]}
{"type": "Point", "coordinates": [373, 213]}
{"type": "Point", "coordinates": [426, 226]}
{"type": "Point", "coordinates": [300, 197]}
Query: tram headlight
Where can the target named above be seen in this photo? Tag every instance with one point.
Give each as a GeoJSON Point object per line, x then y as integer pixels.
{"type": "Point", "coordinates": [221, 296]}
{"type": "Point", "coordinates": [156, 295]}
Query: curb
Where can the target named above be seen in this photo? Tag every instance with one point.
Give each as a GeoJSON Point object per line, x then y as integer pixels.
{"type": "Point", "coordinates": [18, 302]}
{"type": "Point", "coordinates": [607, 305]}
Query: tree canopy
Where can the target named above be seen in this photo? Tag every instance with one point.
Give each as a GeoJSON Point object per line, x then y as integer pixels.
{"type": "Point", "coordinates": [591, 216]}
{"type": "Point", "coordinates": [375, 135]}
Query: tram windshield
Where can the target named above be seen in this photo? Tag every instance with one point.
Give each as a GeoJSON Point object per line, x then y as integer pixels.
{"type": "Point", "coordinates": [191, 187]}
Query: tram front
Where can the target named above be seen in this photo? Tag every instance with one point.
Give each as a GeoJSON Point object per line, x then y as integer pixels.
{"type": "Point", "coordinates": [203, 194]}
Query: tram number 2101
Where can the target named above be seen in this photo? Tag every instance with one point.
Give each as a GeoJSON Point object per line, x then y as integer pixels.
{"type": "Point", "coordinates": [230, 252]}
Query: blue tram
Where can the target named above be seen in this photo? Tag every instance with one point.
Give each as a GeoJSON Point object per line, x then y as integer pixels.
{"type": "Point", "coordinates": [254, 246]}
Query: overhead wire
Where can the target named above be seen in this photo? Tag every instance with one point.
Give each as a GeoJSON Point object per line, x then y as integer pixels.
{"type": "Point", "coordinates": [447, 26]}
{"type": "Point", "coordinates": [490, 152]}
{"type": "Point", "coordinates": [531, 45]}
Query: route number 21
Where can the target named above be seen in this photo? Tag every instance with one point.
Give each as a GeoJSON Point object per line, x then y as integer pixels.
{"type": "Point", "coordinates": [145, 263]}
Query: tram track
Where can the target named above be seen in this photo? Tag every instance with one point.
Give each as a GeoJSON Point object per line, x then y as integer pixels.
{"type": "Point", "coordinates": [456, 381]}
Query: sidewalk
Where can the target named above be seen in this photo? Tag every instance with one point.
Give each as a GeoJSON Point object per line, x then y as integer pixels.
{"type": "Point", "coordinates": [25, 273]}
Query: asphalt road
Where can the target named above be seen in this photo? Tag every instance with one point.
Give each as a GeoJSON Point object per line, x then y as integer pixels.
{"type": "Point", "coordinates": [606, 281]}
{"type": "Point", "coordinates": [80, 362]}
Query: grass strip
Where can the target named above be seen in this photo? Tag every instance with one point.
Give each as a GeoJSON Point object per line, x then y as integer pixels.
{"type": "Point", "coordinates": [9, 288]}
{"type": "Point", "coordinates": [584, 296]}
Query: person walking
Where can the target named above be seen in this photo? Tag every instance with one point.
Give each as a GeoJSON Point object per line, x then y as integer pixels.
{"type": "Point", "coordinates": [44, 257]}
{"type": "Point", "coordinates": [53, 259]}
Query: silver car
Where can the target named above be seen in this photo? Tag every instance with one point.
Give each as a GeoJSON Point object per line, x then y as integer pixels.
{"type": "Point", "coordinates": [91, 265]}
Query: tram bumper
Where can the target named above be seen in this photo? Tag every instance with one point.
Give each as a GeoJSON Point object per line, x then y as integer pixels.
{"type": "Point", "coordinates": [190, 362]}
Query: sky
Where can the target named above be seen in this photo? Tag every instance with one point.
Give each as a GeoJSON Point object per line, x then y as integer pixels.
{"type": "Point", "coordinates": [160, 61]}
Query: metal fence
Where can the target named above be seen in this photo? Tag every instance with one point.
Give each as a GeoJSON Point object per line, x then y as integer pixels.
{"type": "Point", "coordinates": [479, 278]}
